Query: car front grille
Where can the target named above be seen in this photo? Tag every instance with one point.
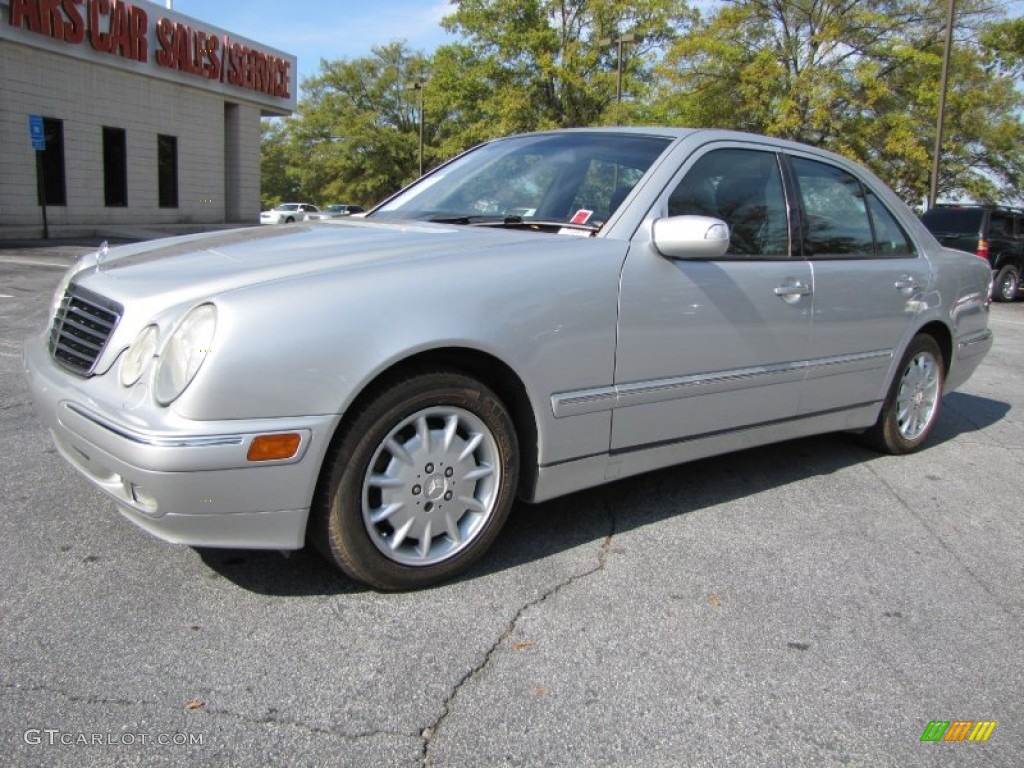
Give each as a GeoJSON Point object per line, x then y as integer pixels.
{"type": "Point", "coordinates": [80, 331]}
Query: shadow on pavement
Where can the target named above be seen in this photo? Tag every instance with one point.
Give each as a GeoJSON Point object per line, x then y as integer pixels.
{"type": "Point", "coordinates": [534, 532]}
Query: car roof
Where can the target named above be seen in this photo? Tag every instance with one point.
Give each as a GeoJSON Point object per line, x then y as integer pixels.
{"type": "Point", "coordinates": [704, 135]}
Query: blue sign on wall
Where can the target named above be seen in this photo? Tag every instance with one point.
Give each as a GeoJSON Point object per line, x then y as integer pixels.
{"type": "Point", "coordinates": [35, 132]}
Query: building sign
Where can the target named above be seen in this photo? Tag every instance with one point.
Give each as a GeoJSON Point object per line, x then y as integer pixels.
{"type": "Point", "coordinates": [167, 44]}
{"type": "Point", "coordinates": [36, 132]}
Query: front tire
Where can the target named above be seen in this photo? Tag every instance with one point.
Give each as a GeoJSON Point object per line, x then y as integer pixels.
{"type": "Point", "coordinates": [911, 407]}
{"type": "Point", "coordinates": [1007, 283]}
{"type": "Point", "coordinates": [419, 484]}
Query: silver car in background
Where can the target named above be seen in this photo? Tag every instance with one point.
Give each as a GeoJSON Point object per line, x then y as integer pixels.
{"type": "Point", "coordinates": [542, 314]}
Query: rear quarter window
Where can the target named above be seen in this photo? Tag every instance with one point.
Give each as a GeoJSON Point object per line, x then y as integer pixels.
{"type": "Point", "coordinates": [953, 221]}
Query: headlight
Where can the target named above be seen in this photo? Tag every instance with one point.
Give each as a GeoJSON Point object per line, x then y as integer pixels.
{"type": "Point", "coordinates": [135, 360]}
{"type": "Point", "coordinates": [184, 353]}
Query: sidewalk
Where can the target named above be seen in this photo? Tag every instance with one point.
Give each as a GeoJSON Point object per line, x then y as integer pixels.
{"type": "Point", "coordinates": [78, 236]}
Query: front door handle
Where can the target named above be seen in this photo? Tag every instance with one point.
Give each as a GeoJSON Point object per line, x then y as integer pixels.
{"type": "Point", "coordinates": [791, 292]}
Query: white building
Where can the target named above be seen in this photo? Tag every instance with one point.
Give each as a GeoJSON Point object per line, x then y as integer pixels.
{"type": "Point", "coordinates": [150, 117]}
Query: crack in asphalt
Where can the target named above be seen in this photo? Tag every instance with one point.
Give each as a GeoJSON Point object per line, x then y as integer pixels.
{"type": "Point", "coordinates": [270, 719]}
{"type": "Point", "coordinates": [428, 733]}
{"type": "Point", "coordinates": [76, 698]}
{"type": "Point", "coordinates": [942, 543]}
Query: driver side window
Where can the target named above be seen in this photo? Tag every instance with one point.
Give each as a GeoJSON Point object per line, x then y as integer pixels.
{"type": "Point", "coordinates": [743, 188]}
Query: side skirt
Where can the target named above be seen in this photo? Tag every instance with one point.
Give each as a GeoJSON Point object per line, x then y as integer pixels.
{"type": "Point", "coordinates": [559, 479]}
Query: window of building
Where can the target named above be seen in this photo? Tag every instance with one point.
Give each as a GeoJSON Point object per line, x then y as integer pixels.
{"type": "Point", "coordinates": [115, 167]}
{"type": "Point", "coordinates": [167, 170]}
{"type": "Point", "coordinates": [51, 164]}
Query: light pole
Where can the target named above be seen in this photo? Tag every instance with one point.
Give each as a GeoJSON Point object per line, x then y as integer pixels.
{"type": "Point", "coordinates": [619, 41]}
{"type": "Point", "coordinates": [934, 191]}
{"type": "Point", "coordinates": [419, 85]}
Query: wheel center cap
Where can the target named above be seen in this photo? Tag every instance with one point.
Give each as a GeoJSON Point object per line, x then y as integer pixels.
{"type": "Point", "coordinates": [435, 487]}
{"type": "Point", "coordinates": [918, 398]}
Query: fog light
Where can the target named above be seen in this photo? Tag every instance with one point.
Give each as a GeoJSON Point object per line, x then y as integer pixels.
{"type": "Point", "coordinates": [142, 498]}
{"type": "Point", "coordinates": [274, 447]}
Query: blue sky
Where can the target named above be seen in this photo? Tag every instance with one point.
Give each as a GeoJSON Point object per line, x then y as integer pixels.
{"type": "Point", "coordinates": [329, 29]}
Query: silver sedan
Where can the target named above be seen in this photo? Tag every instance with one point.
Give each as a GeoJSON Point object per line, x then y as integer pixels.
{"type": "Point", "coordinates": [543, 314]}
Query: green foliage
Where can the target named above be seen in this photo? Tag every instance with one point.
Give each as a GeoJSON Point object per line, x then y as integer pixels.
{"type": "Point", "coordinates": [547, 63]}
{"type": "Point", "coordinates": [860, 77]}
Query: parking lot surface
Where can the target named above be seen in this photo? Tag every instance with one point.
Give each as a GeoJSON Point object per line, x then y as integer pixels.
{"type": "Point", "coordinates": [806, 604]}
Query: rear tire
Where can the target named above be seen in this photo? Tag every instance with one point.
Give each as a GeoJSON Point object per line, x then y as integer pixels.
{"type": "Point", "coordinates": [419, 484]}
{"type": "Point", "coordinates": [1006, 284]}
{"type": "Point", "coordinates": [911, 407]}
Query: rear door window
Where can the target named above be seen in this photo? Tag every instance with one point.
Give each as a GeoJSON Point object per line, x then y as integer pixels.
{"type": "Point", "coordinates": [835, 211]}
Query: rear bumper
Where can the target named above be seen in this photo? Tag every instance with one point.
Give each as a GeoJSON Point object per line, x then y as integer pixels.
{"type": "Point", "coordinates": [193, 486]}
{"type": "Point", "coordinates": [969, 353]}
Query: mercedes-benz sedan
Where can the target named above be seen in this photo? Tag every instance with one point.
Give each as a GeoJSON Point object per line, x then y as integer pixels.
{"type": "Point", "coordinates": [542, 314]}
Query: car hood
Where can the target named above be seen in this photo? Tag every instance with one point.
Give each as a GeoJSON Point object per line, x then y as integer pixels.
{"type": "Point", "coordinates": [195, 267]}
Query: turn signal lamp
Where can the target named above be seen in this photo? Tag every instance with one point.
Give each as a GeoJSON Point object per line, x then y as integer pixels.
{"type": "Point", "coordinates": [274, 447]}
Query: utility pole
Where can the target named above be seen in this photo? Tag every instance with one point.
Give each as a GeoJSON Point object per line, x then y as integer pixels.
{"type": "Point", "coordinates": [944, 83]}
{"type": "Point", "coordinates": [619, 41]}
{"type": "Point", "coordinates": [419, 85]}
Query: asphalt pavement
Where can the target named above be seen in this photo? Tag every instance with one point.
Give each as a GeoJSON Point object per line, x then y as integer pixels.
{"type": "Point", "coordinates": [806, 604]}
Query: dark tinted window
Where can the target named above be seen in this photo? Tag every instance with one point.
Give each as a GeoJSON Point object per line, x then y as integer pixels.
{"type": "Point", "coordinates": [744, 189]}
{"type": "Point", "coordinates": [167, 170]}
{"type": "Point", "coordinates": [51, 164]}
{"type": "Point", "coordinates": [115, 167]}
{"type": "Point", "coordinates": [965, 221]}
{"type": "Point", "coordinates": [1000, 225]}
{"type": "Point", "coordinates": [836, 219]}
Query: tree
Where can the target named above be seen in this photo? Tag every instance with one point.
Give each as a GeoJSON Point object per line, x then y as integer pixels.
{"type": "Point", "coordinates": [856, 76]}
{"type": "Point", "coordinates": [278, 181]}
{"type": "Point", "coordinates": [357, 126]}
{"type": "Point", "coordinates": [538, 64]}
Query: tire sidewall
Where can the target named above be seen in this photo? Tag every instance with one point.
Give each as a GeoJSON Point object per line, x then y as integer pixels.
{"type": "Point", "coordinates": [1008, 277]}
{"type": "Point", "coordinates": [892, 441]}
{"type": "Point", "coordinates": [350, 543]}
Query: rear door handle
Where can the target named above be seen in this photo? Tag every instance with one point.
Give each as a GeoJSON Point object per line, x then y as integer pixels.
{"type": "Point", "coordinates": [906, 285]}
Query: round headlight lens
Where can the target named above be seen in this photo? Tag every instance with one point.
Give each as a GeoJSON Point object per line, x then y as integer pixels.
{"type": "Point", "coordinates": [184, 353]}
{"type": "Point", "coordinates": [135, 360]}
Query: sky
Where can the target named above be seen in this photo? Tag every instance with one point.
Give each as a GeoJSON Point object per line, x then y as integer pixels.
{"type": "Point", "coordinates": [325, 29]}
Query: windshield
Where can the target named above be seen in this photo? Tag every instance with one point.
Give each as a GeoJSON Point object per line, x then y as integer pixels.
{"type": "Point", "coordinates": [574, 180]}
{"type": "Point", "coordinates": [288, 207]}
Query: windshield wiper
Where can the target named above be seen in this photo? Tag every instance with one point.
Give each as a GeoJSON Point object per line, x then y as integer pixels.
{"type": "Point", "coordinates": [511, 222]}
{"type": "Point", "coordinates": [475, 220]}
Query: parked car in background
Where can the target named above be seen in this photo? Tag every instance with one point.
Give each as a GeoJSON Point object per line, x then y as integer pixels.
{"type": "Point", "coordinates": [996, 234]}
{"type": "Point", "coordinates": [289, 213]}
{"type": "Point", "coordinates": [542, 314]}
{"type": "Point", "coordinates": [338, 209]}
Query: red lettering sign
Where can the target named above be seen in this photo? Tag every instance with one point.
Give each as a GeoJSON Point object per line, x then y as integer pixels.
{"type": "Point", "coordinates": [121, 29]}
{"type": "Point", "coordinates": [59, 19]}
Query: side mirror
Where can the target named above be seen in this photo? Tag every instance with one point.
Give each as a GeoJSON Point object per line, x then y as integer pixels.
{"type": "Point", "coordinates": [691, 237]}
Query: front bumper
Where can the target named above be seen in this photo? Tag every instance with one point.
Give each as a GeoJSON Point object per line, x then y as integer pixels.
{"type": "Point", "coordinates": [191, 486]}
